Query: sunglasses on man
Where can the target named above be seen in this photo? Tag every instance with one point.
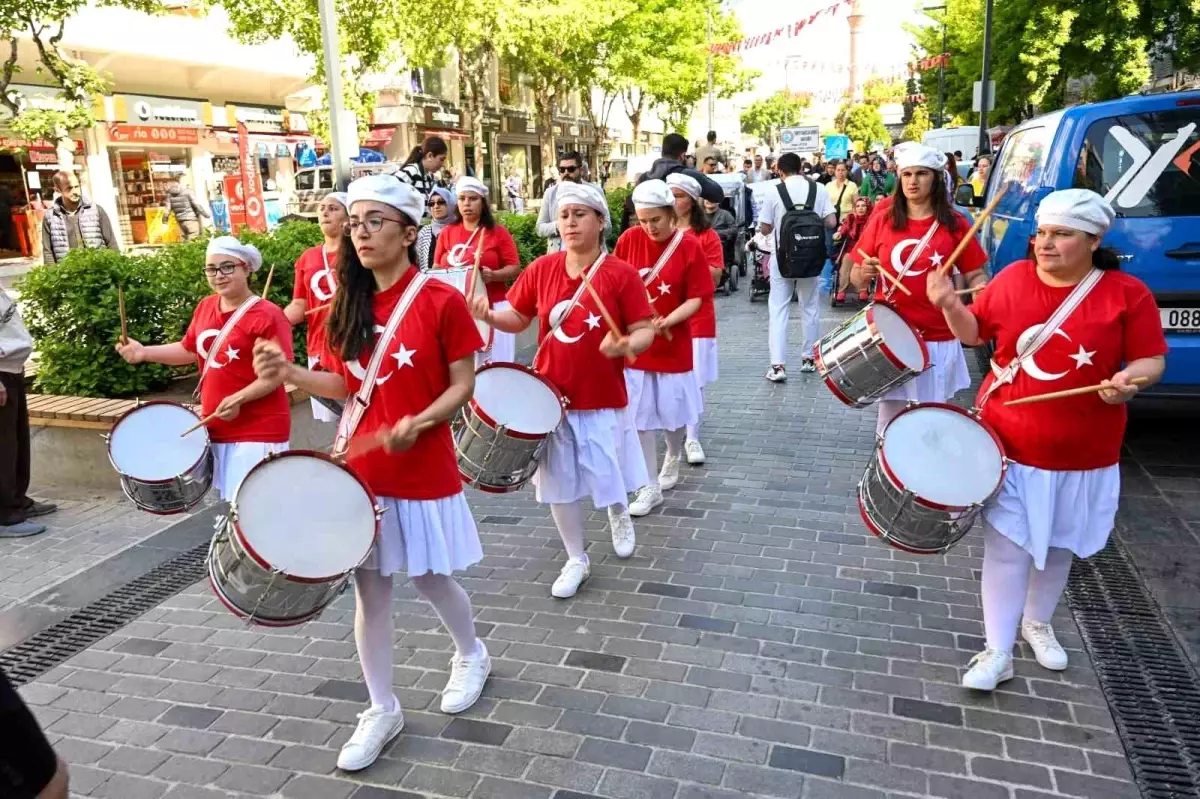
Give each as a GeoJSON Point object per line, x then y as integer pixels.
{"type": "Point", "coordinates": [567, 170]}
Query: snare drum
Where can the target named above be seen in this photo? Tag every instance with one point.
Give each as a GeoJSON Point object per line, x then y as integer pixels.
{"type": "Point", "coordinates": [500, 433]}
{"type": "Point", "coordinates": [298, 526]}
{"type": "Point", "coordinates": [872, 353]}
{"type": "Point", "coordinates": [933, 469]}
{"type": "Point", "coordinates": [457, 277]}
{"type": "Point", "coordinates": [160, 472]}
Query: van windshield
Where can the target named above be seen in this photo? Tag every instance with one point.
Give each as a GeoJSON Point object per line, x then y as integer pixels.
{"type": "Point", "coordinates": [1024, 155]}
{"type": "Point", "coordinates": [1147, 164]}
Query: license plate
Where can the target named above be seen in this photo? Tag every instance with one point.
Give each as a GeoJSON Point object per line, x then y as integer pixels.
{"type": "Point", "coordinates": [1180, 318]}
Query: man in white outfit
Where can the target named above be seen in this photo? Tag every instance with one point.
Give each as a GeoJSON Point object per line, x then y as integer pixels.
{"type": "Point", "coordinates": [808, 289]}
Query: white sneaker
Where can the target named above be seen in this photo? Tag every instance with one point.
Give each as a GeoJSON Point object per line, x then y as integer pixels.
{"type": "Point", "coordinates": [1046, 648]}
{"type": "Point", "coordinates": [467, 676]}
{"type": "Point", "coordinates": [808, 365]}
{"type": "Point", "coordinates": [668, 476]}
{"type": "Point", "coordinates": [570, 578]}
{"type": "Point", "coordinates": [695, 452]}
{"type": "Point", "coordinates": [647, 499]}
{"type": "Point", "coordinates": [988, 669]}
{"type": "Point", "coordinates": [376, 729]}
{"type": "Point", "coordinates": [622, 531]}
{"type": "Point", "coordinates": [777, 374]}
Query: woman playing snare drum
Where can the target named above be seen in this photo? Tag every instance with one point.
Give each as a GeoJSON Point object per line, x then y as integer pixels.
{"type": "Point", "coordinates": [426, 374]}
{"type": "Point", "coordinates": [595, 453]}
{"type": "Point", "coordinates": [1060, 492]}
{"type": "Point", "coordinates": [253, 414]}
{"type": "Point", "coordinates": [890, 240]}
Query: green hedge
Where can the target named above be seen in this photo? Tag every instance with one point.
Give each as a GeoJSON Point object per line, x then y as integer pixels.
{"type": "Point", "coordinates": [72, 311]}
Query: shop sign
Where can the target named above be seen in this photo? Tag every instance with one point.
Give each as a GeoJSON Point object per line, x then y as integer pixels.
{"type": "Point", "coordinates": [573, 130]}
{"type": "Point", "coordinates": [43, 157]}
{"type": "Point", "coordinates": [42, 98]}
{"type": "Point", "coordinates": [225, 163]}
{"type": "Point", "coordinates": [141, 109]}
{"type": "Point", "coordinates": [235, 198]}
{"type": "Point", "coordinates": [152, 134]}
{"type": "Point", "coordinates": [14, 143]}
{"type": "Point", "coordinates": [256, 213]}
{"type": "Point", "coordinates": [441, 117]}
{"type": "Point", "coordinates": [158, 158]}
{"type": "Point", "coordinates": [261, 119]}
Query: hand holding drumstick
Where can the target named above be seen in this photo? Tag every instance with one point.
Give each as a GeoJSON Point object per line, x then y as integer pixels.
{"type": "Point", "coordinates": [872, 266]}
{"type": "Point", "coordinates": [1116, 390]}
{"type": "Point", "coordinates": [620, 345]}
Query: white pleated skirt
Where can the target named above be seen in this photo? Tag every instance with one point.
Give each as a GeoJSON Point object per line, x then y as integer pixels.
{"type": "Point", "coordinates": [504, 345]}
{"type": "Point", "coordinates": [320, 412]}
{"type": "Point", "coordinates": [418, 536]}
{"type": "Point", "coordinates": [1038, 509]}
{"type": "Point", "coordinates": [232, 461]}
{"type": "Point", "coordinates": [704, 361]}
{"type": "Point", "coordinates": [662, 400]}
{"type": "Point", "coordinates": [592, 454]}
{"type": "Point", "coordinates": [946, 376]}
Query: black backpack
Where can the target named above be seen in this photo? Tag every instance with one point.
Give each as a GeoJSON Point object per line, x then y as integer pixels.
{"type": "Point", "coordinates": [801, 250]}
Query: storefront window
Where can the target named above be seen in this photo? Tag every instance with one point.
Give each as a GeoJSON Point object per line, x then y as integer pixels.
{"type": "Point", "coordinates": [142, 177]}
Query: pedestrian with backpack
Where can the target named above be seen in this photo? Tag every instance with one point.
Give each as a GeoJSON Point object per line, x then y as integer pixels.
{"type": "Point", "coordinates": [797, 214]}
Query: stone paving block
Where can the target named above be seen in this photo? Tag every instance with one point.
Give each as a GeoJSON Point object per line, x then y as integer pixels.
{"type": "Point", "coordinates": [496, 788]}
{"type": "Point", "coordinates": [624, 785]}
{"type": "Point", "coordinates": [131, 760]}
{"type": "Point", "coordinates": [307, 786]}
{"type": "Point", "coordinates": [758, 781]}
{"type": "Point", "coordinates": [190, 770]}
{"type": "Point", "coordinates": [254, 780]}
{"type": "Point", "coordinates": [440, 781]}
{"type": "Point", "coordinates": [691, 768]}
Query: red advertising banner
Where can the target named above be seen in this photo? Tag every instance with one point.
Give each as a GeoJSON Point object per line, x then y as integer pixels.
{"type": "Point", "coordinates": [152, 134]}
{"type": "Point", "coordinates": [256, 212]}
{"type": "Point", "coordinates": [235, 200]}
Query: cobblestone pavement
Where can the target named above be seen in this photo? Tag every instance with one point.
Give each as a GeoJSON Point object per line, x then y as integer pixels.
{"type": "Point", "coordinates": [760, 643]}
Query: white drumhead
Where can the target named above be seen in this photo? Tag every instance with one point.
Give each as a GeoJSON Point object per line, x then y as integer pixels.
{"type": "Point", "coordinates": [898, 336]}
{"type": "Point", "coordinates": [306, 516]}
{"type": "Point", "coordinates": [146, 443]}
{"type": "Point", "coordinates": [942, 456]}
{"type": "Point", "coordinates": [454, 277]}
{"type": "Point", "coordinates": [518, 400]}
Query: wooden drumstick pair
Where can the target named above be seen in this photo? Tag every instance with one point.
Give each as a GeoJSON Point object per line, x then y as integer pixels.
{"type": "Point", "coordinates": [121, 306]}
{"type": "Point", "coordinates": [267, 285]}
{"type": "Point", "coordinates": [894, 280]}
{"type": "Point", "coordinates": [475, 268]}
{"type": "Point", "coordinates": [1071, 392]}
{"type": "Point", "coordinates": [608, 317]}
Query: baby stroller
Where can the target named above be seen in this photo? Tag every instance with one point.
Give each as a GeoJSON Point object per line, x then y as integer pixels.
{"type": "Point", "coordinates": [758, 252]}
{"type": "Point", "coordinates": [737, 202]}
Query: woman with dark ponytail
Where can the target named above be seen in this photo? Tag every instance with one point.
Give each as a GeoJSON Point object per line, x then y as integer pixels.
{"type": "Point", "coordinates": [423, 164]}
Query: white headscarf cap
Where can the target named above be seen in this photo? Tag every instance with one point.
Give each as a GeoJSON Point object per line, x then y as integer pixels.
{"type": "Point", "coordinates": [228, 245]}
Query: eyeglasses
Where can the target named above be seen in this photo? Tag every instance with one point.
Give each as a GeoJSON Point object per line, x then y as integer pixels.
{"type": "Point", "coordinates": [226, 269]}
{"type": "Point", "coordinates": [565, 170]}
{"type": "Point", "coordinates": [373, 224]}
{"type": "Point", "coordinates": [437, 203]}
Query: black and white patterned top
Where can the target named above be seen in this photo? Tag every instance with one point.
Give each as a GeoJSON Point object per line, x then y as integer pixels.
{"type": "Point", "coordinates": [415, 175]}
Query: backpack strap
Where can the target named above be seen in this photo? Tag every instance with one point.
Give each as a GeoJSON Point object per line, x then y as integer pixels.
{"type": "Point", "coordinates": [811, 201]}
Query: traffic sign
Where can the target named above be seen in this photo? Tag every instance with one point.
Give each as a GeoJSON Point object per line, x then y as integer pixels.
{"type": "Point", "coordinates": [800, 140]}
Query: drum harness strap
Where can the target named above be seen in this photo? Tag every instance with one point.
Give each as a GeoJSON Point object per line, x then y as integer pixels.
{"type": "Point", "coordinates": [357, 405]}
{"type": "Point", "coordinates": [912, 259]}
{"type": "Point", "coordinates": [591, 274]}
{"type": "Point", "coordinates": [662, 259]}
{"type": "Point", "coordinates": [219, 342]}
{"type": "Point", "coordinates": [1004, 376]}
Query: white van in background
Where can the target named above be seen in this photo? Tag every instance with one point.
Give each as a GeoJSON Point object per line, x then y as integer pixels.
{"type": "Point", "coordinates": [949, 140]}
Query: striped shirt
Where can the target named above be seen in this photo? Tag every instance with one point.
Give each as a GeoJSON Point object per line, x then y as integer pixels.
{"type": "Point", "coordinates": [415, 175]}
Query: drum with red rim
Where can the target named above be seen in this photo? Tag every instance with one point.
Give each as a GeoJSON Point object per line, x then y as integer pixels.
{"type": "Point", "coordinates": [500, 433]}
{"type": "Point", "coordinates": [162, 471]}
{"type": "Point", "coordinates": [298, 526]}
{"type": "Point", "coordinates": [933, 469]}
{"type": "Point", "coordinates": [870, 354]}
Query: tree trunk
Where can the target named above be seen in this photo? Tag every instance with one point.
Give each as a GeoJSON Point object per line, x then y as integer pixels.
{"type": "Point", "coordinates": [543, 104]}
{"type": "Point", "coordinates": [474, 67]}
{"type": "Point", "coordinates": [634, 112]}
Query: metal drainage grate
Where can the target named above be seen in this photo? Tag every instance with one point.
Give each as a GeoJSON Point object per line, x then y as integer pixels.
{"type": "Point", "coordinates": [36, 655]}
{"type": "Point", "coordinates": [1152, 690]}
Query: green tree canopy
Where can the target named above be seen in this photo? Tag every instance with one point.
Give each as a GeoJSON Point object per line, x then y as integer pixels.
{"type": "Point", "coordinates": [863, 123]}
{"type": "Point", "coordinates": [763, 118]}
{"type": "Point", "coordinates": [918, 125]}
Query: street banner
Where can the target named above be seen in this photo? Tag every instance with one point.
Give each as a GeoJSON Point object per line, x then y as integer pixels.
{"type": "Point", "coordinates": [837, 146]}
{"type": "Point", "coordinates": [252, 190]}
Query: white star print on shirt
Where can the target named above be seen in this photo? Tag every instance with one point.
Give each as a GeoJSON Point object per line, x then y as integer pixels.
{"type": "Point", "coordinates": [1082, 358]}
{"type": "Point", "coordinates": [230, 354]}
{"type": "Point", "coordinates": [403, 356]}
{"type": "Point", "coordinates": [936, 259]}
{"type": "Point", "coordinates": [663, 288]}
{"type": "Point", "coordinates": [592, 321]}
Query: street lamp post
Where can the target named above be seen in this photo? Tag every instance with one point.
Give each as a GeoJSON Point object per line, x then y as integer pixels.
{"type": "Point", "coordinates": [984, 91]}
{"type": "Point", "coordinates": [341, 128]}
{"type": "Point", "coordinates": [708, 36]}
{"type": "Point", "coordinates": [941, 115]}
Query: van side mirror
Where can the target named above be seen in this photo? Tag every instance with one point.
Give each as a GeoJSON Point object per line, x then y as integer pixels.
{"type": "Point", "coordinates": [965, 195]}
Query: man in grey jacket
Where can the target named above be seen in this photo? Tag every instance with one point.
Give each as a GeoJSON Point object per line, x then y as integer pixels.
{"type": "Point", "coordinates": [570, 168]}
{"type": "Point", "coordinates": [187, 211]}
{"type": "Point", "coordinates": [73, 222]}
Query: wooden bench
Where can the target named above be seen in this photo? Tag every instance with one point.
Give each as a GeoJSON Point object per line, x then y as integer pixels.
{"type": "Point", "coordinates": [90, 413]}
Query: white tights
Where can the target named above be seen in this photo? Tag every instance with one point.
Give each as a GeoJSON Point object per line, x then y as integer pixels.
{"type": "Point", "coordinates": [1013, 586]}
{"type": "Point", "coordinates": [693, 430]}
{"type": "Point", "coordinates": [649, 439]}
{"type": "Point", "coordinates": [888, 410]}
{"type": "Point", "coordinates": [374, 629]}
{"type": "Point", "coordinates": [568, 518]}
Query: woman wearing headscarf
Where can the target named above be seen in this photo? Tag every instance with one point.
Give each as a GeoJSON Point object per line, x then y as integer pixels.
{"type": "Point", "coordinates": [878, 181]}
{"type": "Point", "coordinates": [253, 414]}
{"type": "Point", "coordinates": [443, 212]}
{"type": "Point", "coordinates": [691, 217]}
{"type": "Point", "coordinates": [459, 246]}
{"type": "Point", "coordinates": [847, 236]}
{"type": "Point", "coordinates": [426, 374]}
{"type": "Point", "coordinates": [663, 394]}
{"type": "Point", "coordinates": [917, 232]}
{"type": "Point", "coordinates": [315, 283]}
{"type": "Point", "coordinates": [595, 453]}
{"type": "Point", "coordinates": [1061, 489]}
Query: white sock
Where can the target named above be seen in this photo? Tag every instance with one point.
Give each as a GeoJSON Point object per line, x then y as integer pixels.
{"type": "Point", "coordinates": [374, 631]}
{"type": "Point", "coordinates": [693, 430]}
{"type": "Point", "coordinates": [568, 518]}
{"type": "Point", "coordinates": [649, 439]}
{"type": "Point", "coordinates": [453, 607]}
{"type": "Point", "coordinates": [1006, 569]}
{"type": "Point", "coordinates": [675, 441]}
{"type": "Point", "coordinates": [1046, 586]}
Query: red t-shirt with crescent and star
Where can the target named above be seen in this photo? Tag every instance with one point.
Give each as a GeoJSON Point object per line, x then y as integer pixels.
{"type": "Point", "coordinates": [684, 277]}
{"type": "Point", "coordinates": [437, 330]}
{"type": "Point", "coordinates": [704, 323]}
{"type": "Point", "coordinates": [268, 419]}
{"type": "Point", "coordinates": [1117, 322]}
{"type": "Point", "coordinates": [894, 247]}
{"type": "Point", "coordinates": [316, 280]}
{"type": "Point", "coordinates": [456, 248]}
{"type": "Point", "coordinates": [571, 359]}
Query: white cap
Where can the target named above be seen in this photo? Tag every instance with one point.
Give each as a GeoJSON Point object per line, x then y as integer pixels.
{"type": "Point", "coordinates": [914, 154]}
{"type": "Point", "coordinates": [686, 182]}
{"type": "Point", "coordinates": [469, 184]}
{"type": "Point", "coordinates": [228, 245]}
{"type": "Point", "coordinates": [570, 193]}
{"type": "Point", "coordinates": [388, 190]}
{"type": "Point", "coordinates": [1079, 209]}
{"type": "Point", "coordinates": [653, 194]}
{"type": "Point", "coordinates": [340, 196]}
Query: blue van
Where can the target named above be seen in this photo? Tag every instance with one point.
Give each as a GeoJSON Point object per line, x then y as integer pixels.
{"type": "Point", "coordinates": [1143, 154]}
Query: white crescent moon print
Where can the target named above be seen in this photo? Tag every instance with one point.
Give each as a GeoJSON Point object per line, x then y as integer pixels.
{"type": "Point", "coordinates": [357, 369]}
{"type": "Point", "coordinates": [320, 291]}
{"type": "Point", "coordinates": [202, 349]}
{"type": "Point", "coordinates": [558, 322]}
{"type": "Point", "coordinates": [1030, 366]}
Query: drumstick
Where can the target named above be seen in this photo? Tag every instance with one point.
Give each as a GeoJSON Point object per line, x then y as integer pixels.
{"type": "Point", "coordinates": [267, 285]}
{"type": "Point", "coordinates": [971, 290]}
{"type": "Point", "coordinates": [121, 305]}
{"type": "Point", "coordinates": [967, 239]}
{"type": "Point", "coordinates": [608, 318]}
{"type": "Point", "coordinates": [1072, 392]}
{"type": "Point", "coordinates": [202, 423]}
{"type": "Point", "coordinates": [895, 281]}
{"type": "Point", "coordinates": [312, 311]}
{"type": "Point", "coordinates": [475, 268]}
